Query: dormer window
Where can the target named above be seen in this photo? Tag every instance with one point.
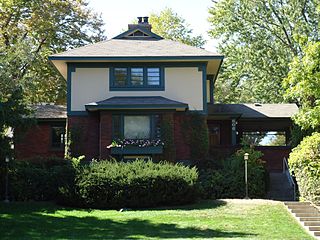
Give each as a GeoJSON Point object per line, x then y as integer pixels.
{"type": "Point", "coordinates": [136, 78]}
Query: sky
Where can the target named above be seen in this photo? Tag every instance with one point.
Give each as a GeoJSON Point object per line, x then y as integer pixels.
{"type": "Point", "coordinates": [116, 14]}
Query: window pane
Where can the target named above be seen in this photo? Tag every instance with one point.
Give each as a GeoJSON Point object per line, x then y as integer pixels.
{"type": "Point", "coordinates": [57, 140]}
{"type": "Point", "coordinates": [120, 77]}
{"type": "Point", "coordinates": [137, 127]}
{"type": "Point", "coordinates": [136, 76]}
{"type": "Point", "coordinates": [153, 76]}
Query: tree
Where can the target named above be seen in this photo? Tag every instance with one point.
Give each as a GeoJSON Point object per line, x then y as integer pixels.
{"type": "Point", "coordinates": [45, 27]}
{"type": "Point", "coordinates": [259, 39]}
{"type": "Point", "coordinates": [303, 86]}
{"type": "Point", "coordinates": [170, 25]}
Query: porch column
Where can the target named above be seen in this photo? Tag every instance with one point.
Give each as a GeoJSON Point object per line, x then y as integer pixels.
{"type": "Point", "coordinates": [233, 131]}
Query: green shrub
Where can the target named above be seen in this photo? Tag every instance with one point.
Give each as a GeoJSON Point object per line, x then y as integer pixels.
{"type": "Point", "coordinates": [228, 181]}
{"type": "Point", "coordinates": [38, 181]}
{"type": "Point", "coordinates": [304, 160]}
{"type": "Point", "coordinates": [110, 184]}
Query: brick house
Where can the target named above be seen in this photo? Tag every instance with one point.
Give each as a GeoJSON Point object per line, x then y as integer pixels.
{"type": "Point", "coordinates": [126, 86]}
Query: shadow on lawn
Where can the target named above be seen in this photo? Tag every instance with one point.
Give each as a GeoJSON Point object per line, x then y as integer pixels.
{"type": "Point", "coordinates": [30, 223]}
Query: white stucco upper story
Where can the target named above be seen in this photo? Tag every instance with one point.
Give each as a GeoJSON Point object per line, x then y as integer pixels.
{"type": "Point", "coordinates": [183, 84]}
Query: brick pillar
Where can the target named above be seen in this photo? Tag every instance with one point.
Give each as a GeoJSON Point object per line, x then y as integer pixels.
{"type": "Point", "coordinates": [182, 148]}
{"type": "Point", "coordinates": [105, 134]}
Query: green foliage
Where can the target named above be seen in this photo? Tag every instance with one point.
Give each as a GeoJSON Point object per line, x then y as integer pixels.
{"type": "Point", "coordinates": [167, 128]}
{"type": "Point", "coordinates": [196, 134]}
{"type": "Point", "coordinates": [259, 39]}
{"type": "Point", "coordinates": [12, 116]}
{"type": "Point", "coordinates": [110, 184]}
{"type": "Point", "coordinates": [74, 145]}
{"type": "Point", "coordinates": [303, 86]}
{"type": "Point", "coordinates": [228, 181]}
{"type": "Point", "coordinates": [304, 160]}
{"type": "Point", "coordinates": [170, 25]}
{"type": "Point", "coordinates": [39, 181]}
{"type": "Point", "coordinates": [32, 30]}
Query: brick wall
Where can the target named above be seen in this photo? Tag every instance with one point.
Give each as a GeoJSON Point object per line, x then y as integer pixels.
{"type": "Point", "coordinates": [35, 142]}
{"type": "Point", "coordinates": [182, 148]}
{"type": "Point", "coordinates": [105, 134]}
{"type": "Point", "coordinates": [87, 130]}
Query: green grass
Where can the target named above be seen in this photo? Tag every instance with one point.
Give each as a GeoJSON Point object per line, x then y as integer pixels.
{"type": "Point", "coordinates": [237, 219]}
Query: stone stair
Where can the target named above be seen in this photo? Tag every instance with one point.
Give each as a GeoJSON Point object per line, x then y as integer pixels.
{"type": "Point", "coordinates": [279, 187]}
{"type": "Point", "coordinates": [307, 215]}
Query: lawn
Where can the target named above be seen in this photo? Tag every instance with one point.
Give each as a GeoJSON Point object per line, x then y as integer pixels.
{"type": "Point", "coordinates": [229, 219]}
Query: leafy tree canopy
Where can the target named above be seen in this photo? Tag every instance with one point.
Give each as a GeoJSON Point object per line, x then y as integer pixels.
{"type": "Point", "coordinates": [303, 86]}
{"type": "Point", "coordinates": [170, 25]}
{"type": "Point", "coordinates": [259, 38]}
{"type": "Point", "coordinates": [44, 27]}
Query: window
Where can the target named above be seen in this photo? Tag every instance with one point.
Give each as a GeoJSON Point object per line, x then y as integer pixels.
{"type": "Point", "coordinates": [135, 126]}
{"type": "Point", "coordinates": [120, 77]}
{"type": "Point", "coordinates": [57, 136]}
{"type": "Point", "coordinates": [265, 138]}
{"type": "Point", "coordinates": [136, 78]}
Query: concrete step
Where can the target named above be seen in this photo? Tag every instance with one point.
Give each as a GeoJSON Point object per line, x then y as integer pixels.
{"type": "Point", "coordinates": [313, 228]}
{"type": "Point", "coordinates": [312, 223]}
{"type": "Point", "coordinates": [307, 215]}
{"type": "Point", "coordinates": [305, 219]}
{"type": "Point", "coordinates": [296, 203]}
{"type": "Point", "coordinates": [306, 210]}
{"type": "Point", "coordinates": [317, 233]}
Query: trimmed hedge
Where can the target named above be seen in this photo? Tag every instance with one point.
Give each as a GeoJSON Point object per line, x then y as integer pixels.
{"type": "Point", "coordinates": [228, 181]}
{"type": "Point", "coordinates": [111, 184]}
{"type": "Point", "coordinates": [37, 179]}
{"type": "Point", "coordinates": [304, 160]}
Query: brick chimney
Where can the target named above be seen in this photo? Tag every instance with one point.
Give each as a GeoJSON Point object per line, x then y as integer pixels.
{"type": "Point", "coordinates": [142, 22]}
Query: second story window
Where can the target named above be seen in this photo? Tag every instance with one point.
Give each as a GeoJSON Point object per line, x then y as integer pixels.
{"type": "Point", "coordinates": [136, 78]}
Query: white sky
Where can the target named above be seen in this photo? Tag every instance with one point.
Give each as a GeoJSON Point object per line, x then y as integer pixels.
{"type": "Point", "coordinates": [118, 13]}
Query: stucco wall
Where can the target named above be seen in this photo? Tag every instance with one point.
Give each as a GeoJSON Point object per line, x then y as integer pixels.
{"type": "Point", "coordinates": [182, 84]}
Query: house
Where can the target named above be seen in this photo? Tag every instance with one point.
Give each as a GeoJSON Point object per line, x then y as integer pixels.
{"type": "Point", "coordinates": [126, 86]}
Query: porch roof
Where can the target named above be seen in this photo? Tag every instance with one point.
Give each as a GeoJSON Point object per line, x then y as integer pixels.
{"type": "Point", "coordinates": [143, 103]}
{"type": "Point", "coordinates": [253, 111]}
{"type": "Point", "coordinates": [49, 111]}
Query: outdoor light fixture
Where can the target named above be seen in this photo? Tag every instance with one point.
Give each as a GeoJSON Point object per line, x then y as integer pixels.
{"type": "Point", "coordinates": [246, 157]}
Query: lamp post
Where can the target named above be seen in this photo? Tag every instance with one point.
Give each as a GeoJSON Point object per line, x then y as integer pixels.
{"type": "Point", "coordinates": [6, 196]}
{"type": "Point", "coordinates": [246, 157]}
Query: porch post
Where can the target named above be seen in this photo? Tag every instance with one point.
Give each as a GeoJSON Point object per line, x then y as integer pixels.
{"type": "Point", "coordinates": [233, 132]}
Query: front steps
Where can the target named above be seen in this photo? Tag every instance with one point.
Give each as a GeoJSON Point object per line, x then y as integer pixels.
{"type": "Point", "coordinates": [280, 188]}
{"type": "Point", "coordinates": [307, 215]}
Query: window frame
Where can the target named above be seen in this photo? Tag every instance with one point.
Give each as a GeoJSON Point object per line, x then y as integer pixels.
{"type": "Point", "coordinates": [154, 121]}
{"type": "Point", "coordinates": [129, 87]}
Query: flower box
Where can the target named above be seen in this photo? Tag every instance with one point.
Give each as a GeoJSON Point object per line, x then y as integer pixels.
{"type": "Point", "coordinates": [131, 150]}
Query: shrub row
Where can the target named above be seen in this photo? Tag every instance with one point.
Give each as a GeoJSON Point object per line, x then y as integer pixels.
{"type": "Point", "coordinates": [104, 184]}
{"type": "Point", "coordinates": [304, 160]}
{"type": "Point", "coordinates": [228, 180]}
{"type": "Point", "coordinates": [111, 184]}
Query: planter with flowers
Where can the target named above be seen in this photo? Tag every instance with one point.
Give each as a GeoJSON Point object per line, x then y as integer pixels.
{"type": "Point", "coordinates": [136, 146]}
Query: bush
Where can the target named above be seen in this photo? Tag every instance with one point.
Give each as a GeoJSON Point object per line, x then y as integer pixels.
{"type": "Point", "coordinates": [36, 180]}
{"type": "Point", "coordinates": [304, 160]}
{"type": "Point", "coordinates": [110, 184]}
{"type": "Point", "coordinates": [228, 181]}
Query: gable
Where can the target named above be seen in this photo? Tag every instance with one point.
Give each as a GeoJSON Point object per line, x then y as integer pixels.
{"type": "Point", "coordinates": [140, 33]}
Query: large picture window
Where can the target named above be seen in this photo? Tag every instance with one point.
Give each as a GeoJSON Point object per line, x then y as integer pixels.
{"type": "Point", "coordinates": [136, 78]}
{"type": "Point", "coordinates": [136, 126]}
